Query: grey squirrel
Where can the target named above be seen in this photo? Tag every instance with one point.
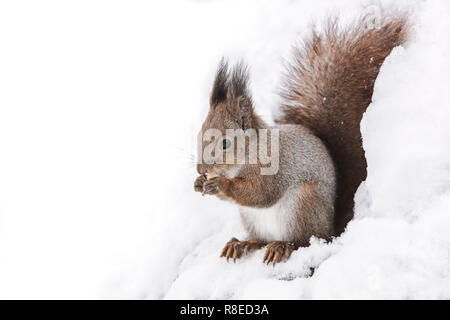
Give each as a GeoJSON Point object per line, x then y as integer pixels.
{"type": "Point", "coordinates": [327, 88]}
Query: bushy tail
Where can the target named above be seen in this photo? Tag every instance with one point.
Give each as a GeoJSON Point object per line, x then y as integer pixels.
{"type": "Point", "coordinates": [328, 88]}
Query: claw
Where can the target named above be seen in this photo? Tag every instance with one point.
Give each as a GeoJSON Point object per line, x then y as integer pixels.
{"type": "Point", "coordinates": [266, 254]}
{"type": "Point", "coordinates": [288, 252]}
{"type": "Point", "coordinates": [269, 258]}
{"type": "Point", "coordinates": [235, 254]}
{"type": "Point", "coordinates": [246, 249]}
{"type": "Point", "coordinates": [229, 251]}
{"type": "Point", "coordinates": [278, 251]}
{"type": "Point", "coordinates": [224, 251]}
{"type": "Point", "coordinates": [276, 257]}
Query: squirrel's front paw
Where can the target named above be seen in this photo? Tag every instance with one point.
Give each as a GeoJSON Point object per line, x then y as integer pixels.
{"type": "Point", "coordinates": [213, 186]}
{"type": "Point", "coordinates": [199, 182]}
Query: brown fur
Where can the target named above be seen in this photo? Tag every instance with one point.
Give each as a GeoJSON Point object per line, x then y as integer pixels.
{"type": "Point", "coordinates": [253, 190]}
{"type": "Point", "coordinates": [328, 88]}
{"type": "Point", "coordinates": [311, 203]}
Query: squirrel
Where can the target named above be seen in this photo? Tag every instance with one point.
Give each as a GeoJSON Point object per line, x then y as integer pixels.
{"type": "Point", "coordinates": [326, 90]}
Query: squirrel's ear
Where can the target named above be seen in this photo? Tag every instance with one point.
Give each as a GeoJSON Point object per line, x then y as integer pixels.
{"type": "Point", "coordinates": [220, 87]}
{"type": "Point", "coordinates": [240, 95]}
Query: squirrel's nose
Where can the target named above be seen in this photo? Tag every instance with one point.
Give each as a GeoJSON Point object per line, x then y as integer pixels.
{"type": "Point", "coordinates": [201, 169]}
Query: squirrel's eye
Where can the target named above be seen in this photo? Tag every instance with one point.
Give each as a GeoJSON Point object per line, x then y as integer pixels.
{"type": "Point", "coordinates": [226, 143]}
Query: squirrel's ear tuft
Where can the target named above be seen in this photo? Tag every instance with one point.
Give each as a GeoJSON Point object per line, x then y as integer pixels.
{"type": "Point", "coordinates": [239, 81]}
{"type": "Point", "coordinates": [240, 95]}
{"type": "Point", "coordinates": [220, 88]}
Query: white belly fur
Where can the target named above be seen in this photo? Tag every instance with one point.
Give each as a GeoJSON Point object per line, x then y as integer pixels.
{"type": "Point", "coordinates": [271, 224]}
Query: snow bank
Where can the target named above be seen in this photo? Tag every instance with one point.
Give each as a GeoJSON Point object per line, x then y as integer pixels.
{"type": "Point", "coordinates": [99, 109]}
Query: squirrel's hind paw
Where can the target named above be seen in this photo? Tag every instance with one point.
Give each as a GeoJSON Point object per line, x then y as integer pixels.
{"type": "Point", "coordinates": [235, 249]}
{"type": "Point", "coordinates": [277, 251]}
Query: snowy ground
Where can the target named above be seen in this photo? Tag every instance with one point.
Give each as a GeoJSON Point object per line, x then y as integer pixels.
{"type": "Point", "coordinates": [100, 103]}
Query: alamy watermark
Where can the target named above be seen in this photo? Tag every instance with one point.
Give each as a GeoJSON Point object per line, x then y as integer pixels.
{"type": "Point", "coordinates": [237, 146]}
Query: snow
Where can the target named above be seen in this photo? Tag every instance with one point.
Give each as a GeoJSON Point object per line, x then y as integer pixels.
{"type": "Point", "coordinates": [100, 104]}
